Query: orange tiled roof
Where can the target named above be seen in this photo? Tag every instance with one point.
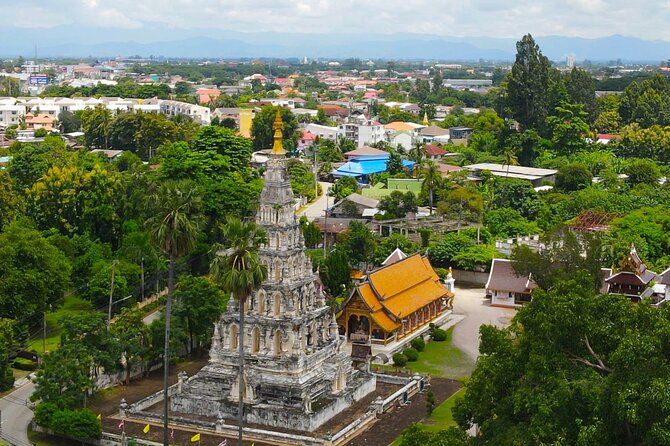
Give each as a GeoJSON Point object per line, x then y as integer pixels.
{"type": "Point", "coordinates": [376, 308]}
{"type": "Point", "coordinates": [398, 126]}
{"type": "Point", "coordinates": [407, 286]}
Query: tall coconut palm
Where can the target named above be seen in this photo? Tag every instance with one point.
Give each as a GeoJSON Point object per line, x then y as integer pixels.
{"type": "Point", "coordinates": [173, 228]}
{"type": "Point", "coordinates": [239, 270]}
{"type": "Point", "coordinates": [510, 158]}
{"type": "Point", "coordinates": [418, 152]}
{"type": "Point", "coordinates": [432, 178]}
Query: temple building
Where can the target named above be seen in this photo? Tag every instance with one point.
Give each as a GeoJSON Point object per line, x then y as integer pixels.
{"type": "Point", "coordinates": [296, 374]}
{"type": "Point", "coordinates": [634, 280]}
{"type": "Point", "coordinates": [396, 301]}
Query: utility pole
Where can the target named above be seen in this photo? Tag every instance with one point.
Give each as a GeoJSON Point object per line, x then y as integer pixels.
{"type": "Point", "coordinates": [111, 295]}
{"type": "Point", "coordinates": [142, 284]}
{"type": "Point", "coordinates": [325, 228]}
{"type": "Point", "coordinates": [44, 336]}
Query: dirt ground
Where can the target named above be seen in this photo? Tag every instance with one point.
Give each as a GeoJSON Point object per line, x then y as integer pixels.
{"type": "Point", "coordinates": [391, 424]}
{"type": "Point", "coordinates": [381, 433]}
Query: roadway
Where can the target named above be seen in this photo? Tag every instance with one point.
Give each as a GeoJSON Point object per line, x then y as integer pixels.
{"type": "Point", "coordinates": [16, 415]}
{"type": "Point", "coordinates": [318, 207]}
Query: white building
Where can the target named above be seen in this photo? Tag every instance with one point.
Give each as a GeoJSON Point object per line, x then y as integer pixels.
{"type": "Point", "coordinates": [370, 132]}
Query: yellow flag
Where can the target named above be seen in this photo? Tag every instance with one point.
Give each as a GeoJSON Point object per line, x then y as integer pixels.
{"type": "Point", "coordinates": [146, 429]}
{"type": "Point", "coordinates": [99, 417]}
{"type": "Point", "coordinates": [195, 438]}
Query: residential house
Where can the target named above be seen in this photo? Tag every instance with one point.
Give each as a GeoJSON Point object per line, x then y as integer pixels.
{"type": "Point", "coordinates": [428, 134]}
{"type": "Point", "coordinates": [456, 133]}
{"type": "Point", "coordinates": [34, 122]}
{"type": "Point", "coordinates": [534, 175]}
{"type": "Point", "coordinates": [323, 131]}
{"type": "Point", "coordinates": [369, 132]}
{"type": "Point", "coordinates": [435, 153]}
{"type": "Point", "coordinates": [365, 151]}
{"type": "Point", "coordinates": [207, 95]}
{"type": "Point", "coordinates": [355, 206]}
{"type": "Point", "coordinates": [361, 168]}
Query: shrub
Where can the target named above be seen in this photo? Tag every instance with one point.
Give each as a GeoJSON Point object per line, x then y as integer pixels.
{"type": "Point", "coordinates": [24, 364]}
{"type": "Point", "coordinates": [6, 378]}
{"type": "Point", "coordinates": [430, 402]}
{"type": "Point", "coordinates": [411, 353]}
{"type": "Point", "coordinates": [81, 424]}
{"type": "Point", "coordinates": [40, 133]}
{"type": "Point", "coordinates": [439, 335]}
{"type": "Point", "coordinates": [399, 360]}
{"type": "Point", "coordinates": [418, 343]}
{"type": "Point", "coordinates": [44, 412]}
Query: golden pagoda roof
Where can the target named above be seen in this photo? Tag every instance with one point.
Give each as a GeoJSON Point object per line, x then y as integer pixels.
{"type": "Point", "coordinates": [376, 308]}
{"type": "Point", "coordinates": [278, 126]}
{"type": "Point", "coordinates": [406, 286]}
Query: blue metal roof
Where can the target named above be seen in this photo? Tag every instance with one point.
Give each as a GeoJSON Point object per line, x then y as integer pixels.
{"type": "Point", "coordinates": [361, 167]}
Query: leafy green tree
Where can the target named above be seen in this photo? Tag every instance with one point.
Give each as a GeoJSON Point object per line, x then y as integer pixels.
{"type": "Point", "coordinates": [132, 335]}
{"type": "Point", "coordinates": [329, 151]}
{"type": "Point", "coordinates": [642, 171]}
{"type": "Point", "coordinates": [343, 187]}
{"type": "Point", "coordinates": [358, 242]}
{"type": "Point", "coordinates": [475, 258]}
{"type": "Point", "coordinates": [387, 245]}
{"type": "Point", "coordinates": [63, 377]}
{"type": "Point", "coordinates": [394, 165]}
{"type": "Point", "coordinates": [336, 272]}
{"type": "Point", "coordinates": [585, 367]}
{"type": "Point", "coordinates": [239, 270]}
{"type": "Point", "coordinates": [443, 252]}
{"type": "Point", "coordinates": [432, 179]}
{"type": "Point", "coordinates": [173, 229]}
{"type": "Point", "coordinates": [235, 150]}
{"type": "Point", "coordinates": [637, 142]}
{"type": "Point", "coordinates": [464, 203]}
{"type": "Point", "coordinates": [10, 201]}
{"type": "Point", "coordinates": [96, 124]}
{"type": "Point", "coordinates": [507, 222]}
{"type": "Point", "coordinates": [528, 85]}
{"type": "Point", "coordinates": [568, 128]}
{"type": "Point", "coordinates": [199, 303]}
{"type": "Point", "coordinates": [302, 178]}
{"type": "Point", "coordinates": [418, 435]}
{"type": "Point", "coordinates": [310, 232]}
{"type": "Point", "coordinates": [573, 177]}
{"type": "Point", "coordinates": [516, 194]}
{"type": "Point", "coordinates": [262, 132]}
{"type": "Point", "coordinates": [581, 87]}
{"type": "Point", "coordinates": [398, 204]}
{"type": "Point", "coordinates": [88, 330]}
{"type": "Point", "coordinates": [648, 229]}
{"type": "Point", "coordinates": [646, 103]}
{"type": "Point", "coordinates": [563, 257]}
{"type": "Point", "coordinates": [33, 273]}
{"type": "Point", "coordinates": [7, 345]}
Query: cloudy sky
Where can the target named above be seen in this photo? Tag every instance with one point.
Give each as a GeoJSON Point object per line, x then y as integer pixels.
{"type": "Point", "coordinates": [491, 18]}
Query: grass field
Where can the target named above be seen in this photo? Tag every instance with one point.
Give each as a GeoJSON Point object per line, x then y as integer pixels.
{"type": "Point", "coordinates": [441, 418]}
{"type": "Point", "coordinates": [443, 359]}
{"type": "Point", "coordinates": [72, 305]}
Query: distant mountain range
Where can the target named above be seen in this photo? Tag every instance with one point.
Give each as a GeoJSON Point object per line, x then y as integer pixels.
{"type": "Point", "coordinates": [155, 40]}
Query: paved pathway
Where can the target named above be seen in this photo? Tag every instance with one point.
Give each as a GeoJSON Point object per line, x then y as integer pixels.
{"type": "Point", "coordinates": [477, 310]}
{"type": "Point", "coordinates": [16, 415]}
{"type": "Point", "coordinates": [317, 208]}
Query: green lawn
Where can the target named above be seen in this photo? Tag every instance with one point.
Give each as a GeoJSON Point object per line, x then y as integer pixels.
{"type": "Point", "coordinates": [443, 359]}
{"type": "Point", "coordinates": [442, 418]}
{"type": "Point", "coordinates": [72, 305]}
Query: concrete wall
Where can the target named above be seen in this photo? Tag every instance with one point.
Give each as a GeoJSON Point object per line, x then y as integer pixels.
{"type": "Point", "coordinates": [470, 277]}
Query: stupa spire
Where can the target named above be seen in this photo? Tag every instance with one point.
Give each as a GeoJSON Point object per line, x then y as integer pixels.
{"type": "Point", "coordinates": [278, 126]}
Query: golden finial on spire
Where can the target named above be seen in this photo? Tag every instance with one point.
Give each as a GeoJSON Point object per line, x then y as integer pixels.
{"type": "Point", "coordinates": [425, 119]}
{"type": "Point", "coordinates": [278, 126]}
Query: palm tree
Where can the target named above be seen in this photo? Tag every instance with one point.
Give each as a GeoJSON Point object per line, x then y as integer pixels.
{"type": "Point", "coordinates": [173, 228]}
{"type": "Point", "coordinates": [239, 270]}
{"type": "Point", "coordinates": [510, 158]}
{"type": "Point", "coordinates": [418, 152]}
{"type": "Point", "coordinates": [432, 178]}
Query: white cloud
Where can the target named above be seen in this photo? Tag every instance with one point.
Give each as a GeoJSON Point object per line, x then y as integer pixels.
{"type": "Point", "coordinates": [493, 18]}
